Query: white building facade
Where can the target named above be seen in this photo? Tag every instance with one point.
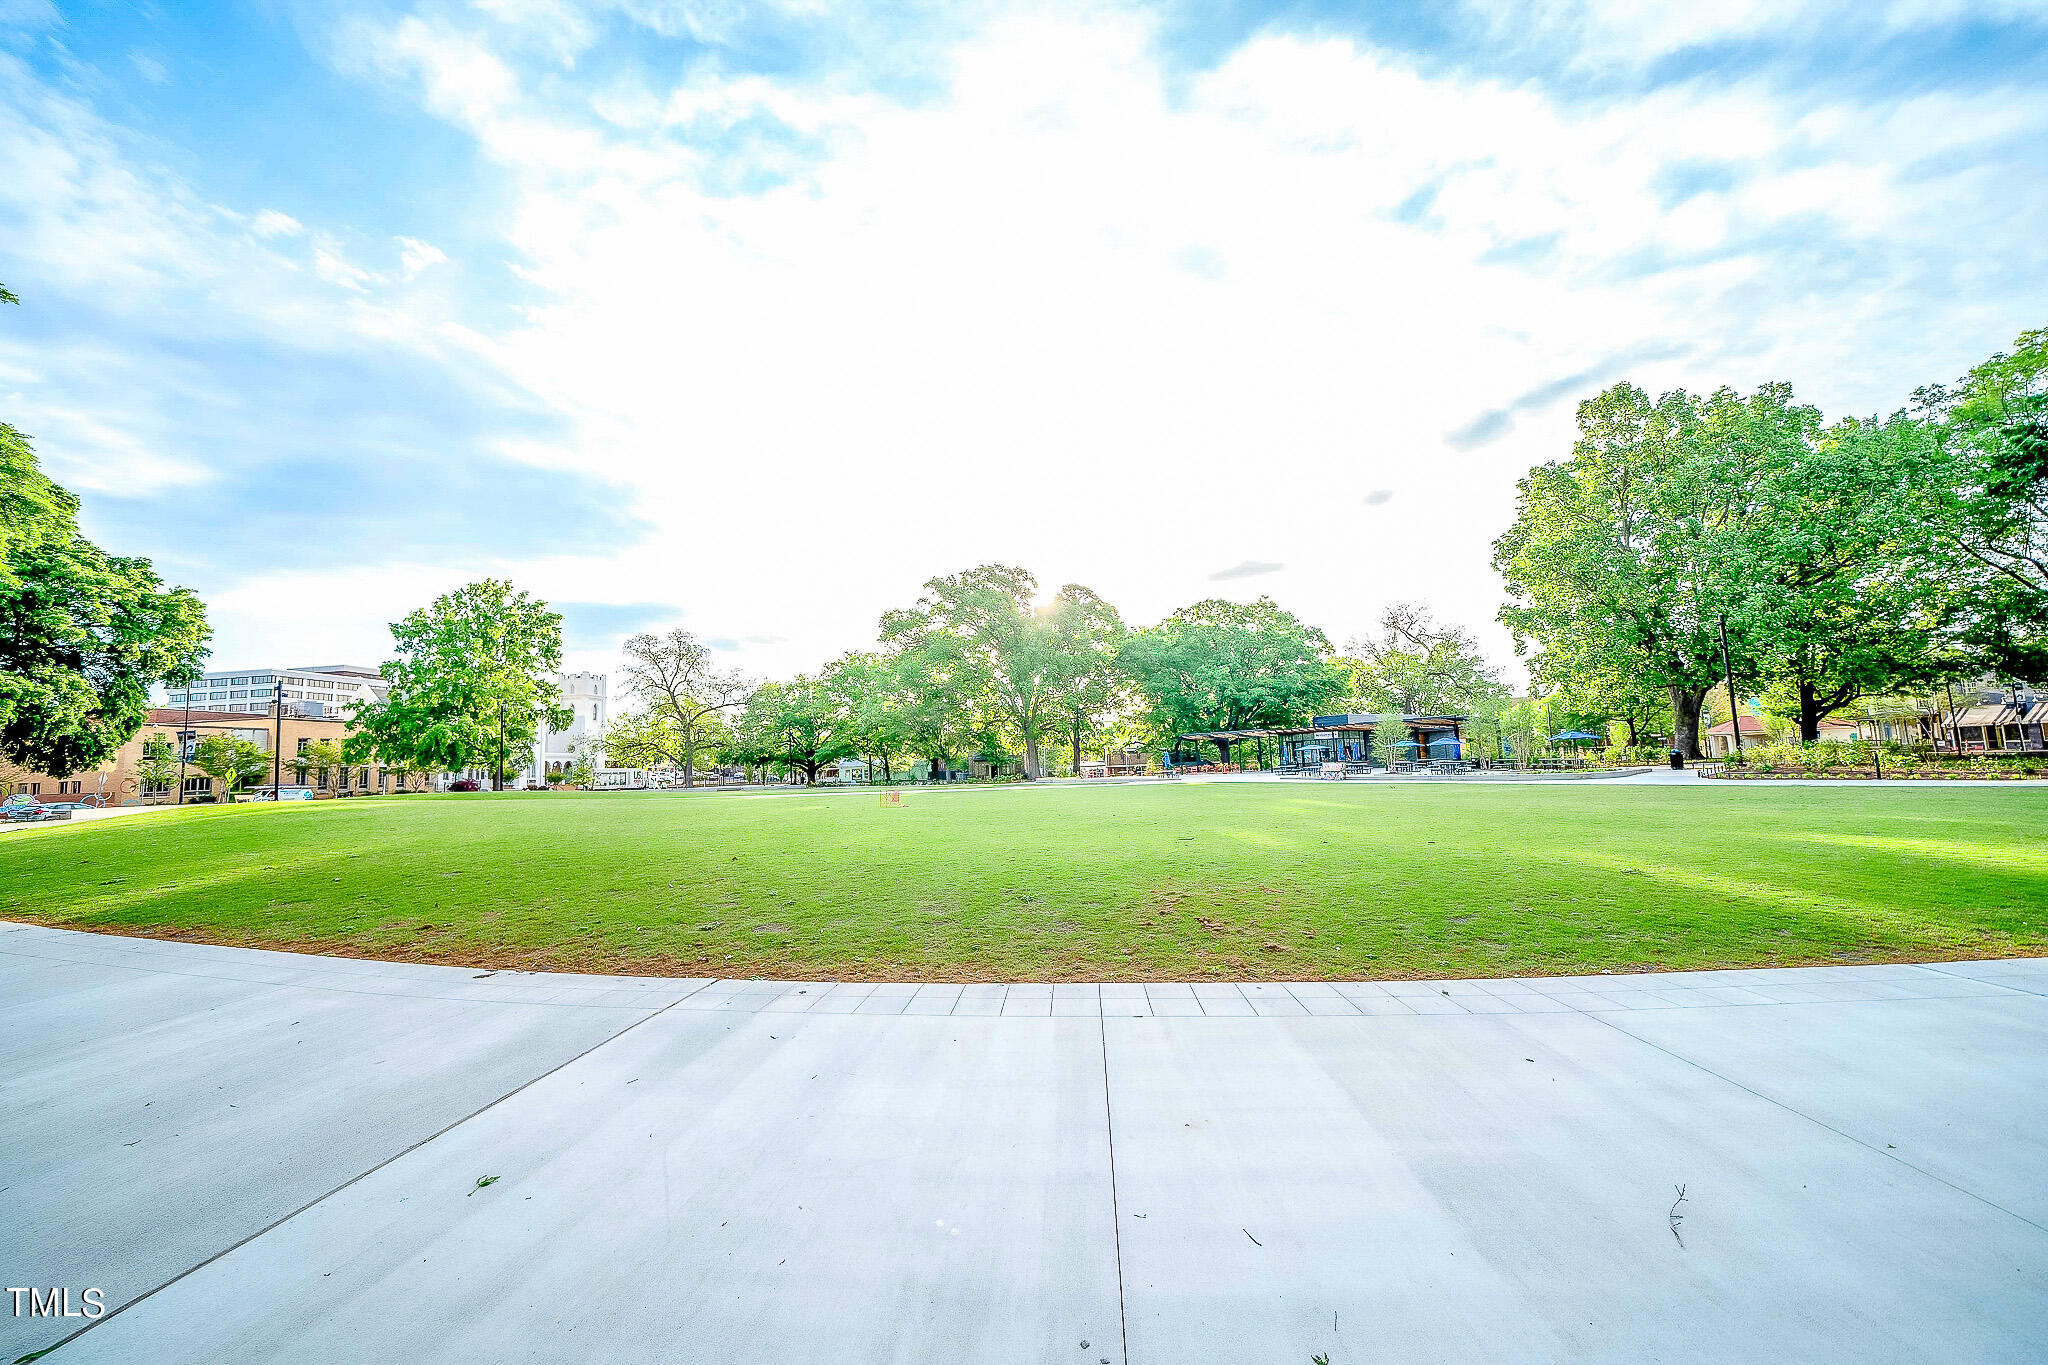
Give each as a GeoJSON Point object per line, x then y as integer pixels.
{"type": "Point", "coordinates": [311, 690]}
{"type": "Point", "coordinates": [556, 751]}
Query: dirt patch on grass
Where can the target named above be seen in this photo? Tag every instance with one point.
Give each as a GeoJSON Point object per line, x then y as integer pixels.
{"type": "Point", "coordinates": [1246, 959]}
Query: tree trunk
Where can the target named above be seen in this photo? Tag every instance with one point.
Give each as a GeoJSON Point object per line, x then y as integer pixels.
{"type": "Point", "coordinates": [1077, 750]}
{"type": "Point", "coordinates": [1031, 755]}
{"type": "Point", "coordinates": [1685, 719]}
{"type": "Point", "coordinates": [1809, 715]}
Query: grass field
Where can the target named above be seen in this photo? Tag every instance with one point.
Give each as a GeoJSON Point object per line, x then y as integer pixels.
{"type": "Point", "coordinates": [1236, 881]}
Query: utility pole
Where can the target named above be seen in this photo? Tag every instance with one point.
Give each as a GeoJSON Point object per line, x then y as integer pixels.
{"type": "Point", "coordinates": [277, 748]}
{"type": "Point", "coordinates": [1728, 674]}
{"type": "Point", "coordinates": [184, 740]}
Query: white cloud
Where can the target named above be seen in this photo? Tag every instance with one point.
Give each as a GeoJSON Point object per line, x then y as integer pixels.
{"type": "Point", "coordinates": [415, 255]}
{"type": "Point", "coordinates": [271, 223]}
{"type": "Point", "coordinates": [974, 328]}
{"type": "Point", "coordinates": [1071, 309]}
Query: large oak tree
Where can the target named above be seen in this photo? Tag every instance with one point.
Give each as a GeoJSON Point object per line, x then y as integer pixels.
{"type": "Point", "coordinates": [84, 635]}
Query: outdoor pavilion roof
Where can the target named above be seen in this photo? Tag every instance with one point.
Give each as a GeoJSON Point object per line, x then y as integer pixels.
{"type": "Point", "coordinates": [1230, 734]}
{"type": "Point", "coordinates": [1326, 729]}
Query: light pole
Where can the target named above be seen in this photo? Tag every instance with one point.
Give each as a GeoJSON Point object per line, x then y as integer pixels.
{"type": "Point", "coordinates": [277, 748]}
{"type": "Point", "coordinates": [1728, 675]}
{"type": "Point", "coordinates": [184, 740]}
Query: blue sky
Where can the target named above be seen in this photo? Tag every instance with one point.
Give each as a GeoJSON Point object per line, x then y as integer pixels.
{"type": "Point", "coordinates": [749, 318]}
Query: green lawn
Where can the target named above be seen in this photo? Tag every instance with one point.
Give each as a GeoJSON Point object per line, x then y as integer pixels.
{"type": "Point", "coordinates": [1143, 882]}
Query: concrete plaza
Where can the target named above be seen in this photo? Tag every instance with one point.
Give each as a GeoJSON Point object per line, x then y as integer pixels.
{"type": "Point", "coordinates": [261, 1156]}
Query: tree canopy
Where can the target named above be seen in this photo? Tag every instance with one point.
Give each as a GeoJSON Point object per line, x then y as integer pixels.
{"type": "Point", "coordinates": [1221, 665]}
{"type": "Point", "coordinates": [84, 635]}
{"type": "Point", "coordinates": [684, 703]}
{"type": "Point", "coordinates": [800, 725]}
{"type": "Point", "coordinates": [473, 681]}
{"type": "Point", "coordinates": [1000, 654]}
{"type": "Point", "coordinates": [1419, 666]}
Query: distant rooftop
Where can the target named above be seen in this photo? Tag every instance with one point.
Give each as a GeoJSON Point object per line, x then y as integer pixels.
{"type": "Point", "coordinates": [351, 670]}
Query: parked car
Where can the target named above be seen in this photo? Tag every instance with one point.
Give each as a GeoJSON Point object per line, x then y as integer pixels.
{"type": "Point", "coordinates": [23, 814]}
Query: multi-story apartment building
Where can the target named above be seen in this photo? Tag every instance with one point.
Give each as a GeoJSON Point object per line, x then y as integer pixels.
{"type": "Point", "coordinates": [314, 690]}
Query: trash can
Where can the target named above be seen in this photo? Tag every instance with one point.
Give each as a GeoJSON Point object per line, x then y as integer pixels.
{"type": "Point", "coordinates": [1677, 759]}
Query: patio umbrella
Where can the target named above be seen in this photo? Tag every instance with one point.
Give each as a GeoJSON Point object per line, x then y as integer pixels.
{"type": "Point", "coordinates": [1407, 744]}
{"type": "Point", "coordinates": [1574, 736]}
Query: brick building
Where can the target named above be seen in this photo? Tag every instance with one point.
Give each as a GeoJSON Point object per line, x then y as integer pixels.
{"type": "Point", "coordinates": [115, 782]}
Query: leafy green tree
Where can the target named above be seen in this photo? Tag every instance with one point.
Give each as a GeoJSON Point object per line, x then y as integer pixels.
{"type": "Point", "coordinates": [474, 680]}
{"type": "Point", "coordinates": [799, 725]}
{"type": "Point", "coordinates": [644, 739]}
{"type": "Point", "coordinates": [936, 719]}
{"type": "Point", "coordinates": [1419, 667]}
{"type": "Point", "coordinates": [1087, 680]}
{"type": "Point", "coordinates": [1610, 564]}
{"type": "Point", "coordinates": [876, 706]}
{"type": "Point", "coordinates": [582, 770]}
{"type": "Point", "coordinates": [230, 761]}
{"type": "Point", "coordinates": [1220, 665]}
{"type": "Point", "coordinates": [683, 700]}
{"type": "Point", "coordinates": [321, 758]}
{"type": "Point", "coordinates": [1838, 595]}
{"type": "Point", "coordinates": [982, 630]}
{"type": "Point", "coordinates": [1983, 489]}
{"type": "Point", "coordinates": [84, 635]}
{"type": "Point", "coordinates": [156, 767]}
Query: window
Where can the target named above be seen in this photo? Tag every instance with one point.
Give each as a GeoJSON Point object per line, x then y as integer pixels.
{"type": "Point", "coordinates": [305, 744]}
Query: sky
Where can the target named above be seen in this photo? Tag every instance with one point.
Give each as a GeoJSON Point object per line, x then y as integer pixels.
{"type": "Point", "coordinates": [748, 319]}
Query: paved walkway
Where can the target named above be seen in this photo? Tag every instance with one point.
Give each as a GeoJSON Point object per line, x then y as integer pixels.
{"type": "Point", "coordinates": [269, 1157]}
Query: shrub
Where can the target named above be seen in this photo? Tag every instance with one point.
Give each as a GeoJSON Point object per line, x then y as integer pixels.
{"type": "Point", "coordinates": [1857, 760]}
{"type": "Point", "coordinates": [467, 784]}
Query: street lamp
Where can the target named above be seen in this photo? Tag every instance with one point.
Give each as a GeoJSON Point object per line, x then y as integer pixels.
{"type": "Point", "coordinates": [1728, 674]}
{"type": "Point", "coordinates": [184, 740]}
{"type": "Point", "coordinates": [277, 748]}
